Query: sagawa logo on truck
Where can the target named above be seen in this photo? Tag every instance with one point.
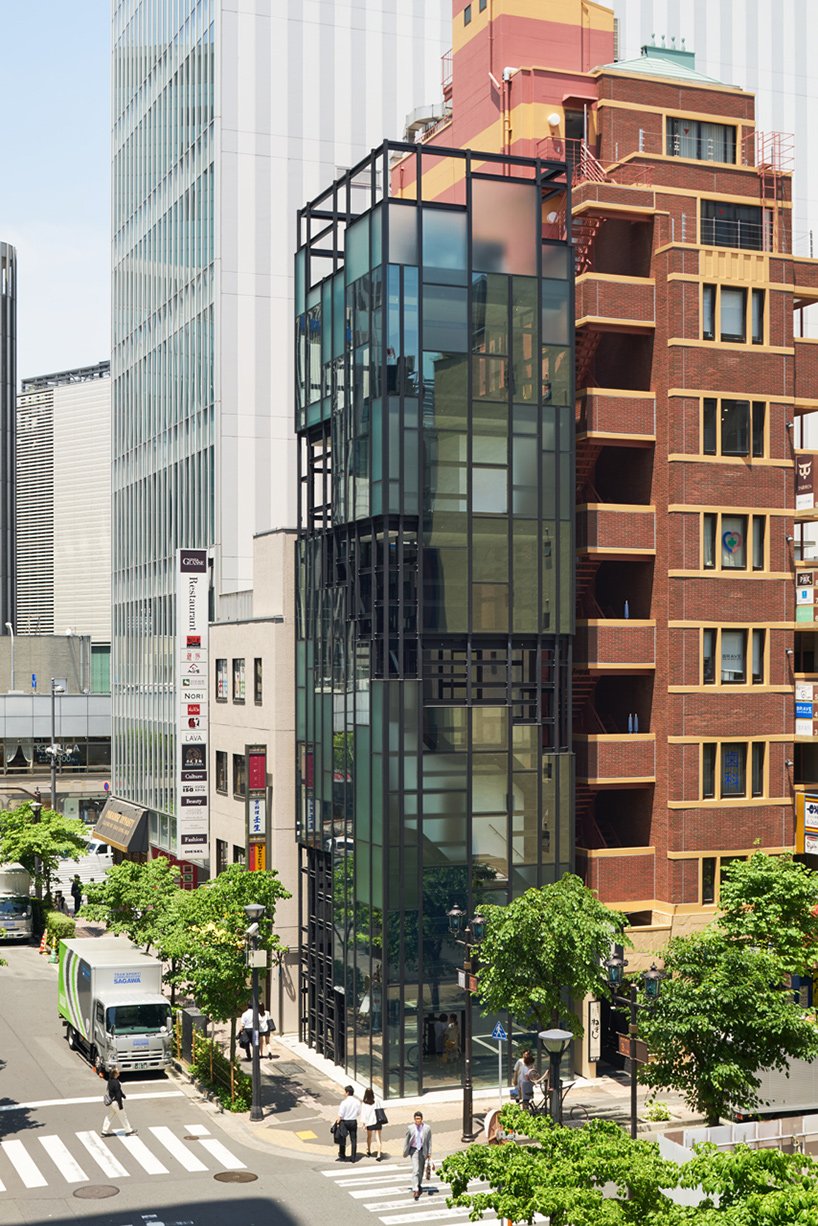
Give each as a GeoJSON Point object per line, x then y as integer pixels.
{"type": "Point", "coordinates": [127, 977]}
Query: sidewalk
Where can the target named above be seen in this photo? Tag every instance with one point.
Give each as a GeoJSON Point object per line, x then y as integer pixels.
{"type": "Point", "coordinates": [301, 1091]}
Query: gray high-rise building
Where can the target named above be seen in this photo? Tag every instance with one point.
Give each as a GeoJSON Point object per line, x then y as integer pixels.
{"type": "Point", "coordinates": [8, 389]}
{"type": "Point", "coordinates": [226, 116]}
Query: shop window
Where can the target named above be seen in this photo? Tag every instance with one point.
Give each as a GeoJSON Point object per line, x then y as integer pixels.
{"type": "Point", "coordinates": [221, 681]}
{"type": "Point", "coordinates": [238, 681]}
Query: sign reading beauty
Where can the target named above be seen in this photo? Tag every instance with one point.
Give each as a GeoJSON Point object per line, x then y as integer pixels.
{"type": "Point", "coordinates": [192, 697]}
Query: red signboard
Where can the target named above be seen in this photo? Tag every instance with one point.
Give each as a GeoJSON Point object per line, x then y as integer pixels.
{"type": "Point", "coordinates": [257, 770]}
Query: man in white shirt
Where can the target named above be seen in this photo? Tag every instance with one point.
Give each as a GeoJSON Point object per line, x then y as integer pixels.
{"type": "Point", "coordinates": [347, 1123]}
{"type": "Point", "coordinates": [246, 1032]}
{"type": "Point", "coordinates": [418, 1146]}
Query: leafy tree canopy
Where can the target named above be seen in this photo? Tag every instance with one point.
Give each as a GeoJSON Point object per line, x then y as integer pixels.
{"type": "Point", "coordinates": [135, 899]}
{"type": "Point", "coordinates": [720, 1018]}
{"type": "Point", "coordinates": [562, 1173]}
{"type": "Point", "coordinates": [39, 846]}
{"type": "Point", "coordinates": [771, 902]}
{"type": "Point", "coordinates": [545, 944]}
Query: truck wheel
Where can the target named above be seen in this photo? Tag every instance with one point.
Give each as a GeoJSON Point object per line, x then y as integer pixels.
{"type": "Point", "coordinates": [96, 1060]}
{"type": "Point", "coordinates": [71, 1036]}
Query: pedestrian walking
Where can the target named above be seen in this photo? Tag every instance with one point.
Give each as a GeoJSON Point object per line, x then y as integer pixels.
{"type": "Point", "coordinates": [440, 1035]}
{"type": "Point", "coordinates": [264, 1021]}
{"type": "Point", "coordinates": [526, 1081]}
{"type": "Point", "coordinates": [452, 1040]}
{"type": "Point", "coordinates": [418, 1147]}
{"type": "Point", "coordinates": [347, 1125]}
{"type": "Point", "coordinates": [76, 893]}
{"type": "Point", "coordinates": [246, 1032]}
{"type": "Point", "coordinates": [372, 1105]}
{"type": "Point", "coordinates": [114, 1100]}
{"type": "Point", "coordinates": [515, 1076]}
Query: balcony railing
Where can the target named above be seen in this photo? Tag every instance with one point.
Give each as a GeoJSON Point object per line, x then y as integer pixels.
{"type": "Point", "coordinates": [615, 645]}
{"type": "Point", "coordinates": [612, 413]}
{"type": "Point", "coordinates": [614, 529]}
{"type": "Point", "coordinates": [627, 760]}
{"type": "Point", "coordinates": [628, 302]}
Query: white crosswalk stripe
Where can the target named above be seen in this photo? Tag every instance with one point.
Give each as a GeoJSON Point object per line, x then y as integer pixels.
{"type": "Point", "coordinates": [79, 1157]}
{"type": "Point", "coordinates": [387, 1192]}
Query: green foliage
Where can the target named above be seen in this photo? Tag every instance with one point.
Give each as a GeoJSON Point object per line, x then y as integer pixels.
{"type": "Point", "coordinates": [562, 1172]}
{"type": "Point", "coordinates": [40, 846]}
{"type": "Point", "coordinates": [212, 1067]}
{"type": "Point", "coordinates": [136, 899]}
{"type": "Point", "coordinates": [58, 927]}
{"type": "Point", "coordinates": [208, 943]}
{"type": "Point", "coordinates": [770, 902]}
{"type": "Point", "coordinates": [721, 1017]}
{"type": "Point", "coordinates": [543, 946]}
{"type": "Point", "coordinates": [656, 1112]}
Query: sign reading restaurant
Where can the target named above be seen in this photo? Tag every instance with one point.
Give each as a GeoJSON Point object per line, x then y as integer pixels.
{"type": "Point", "coordinates": [193, 693]}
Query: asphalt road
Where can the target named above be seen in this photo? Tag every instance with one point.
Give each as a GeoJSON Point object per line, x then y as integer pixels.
{"type": "Point", "coordinates": [51, 1112]}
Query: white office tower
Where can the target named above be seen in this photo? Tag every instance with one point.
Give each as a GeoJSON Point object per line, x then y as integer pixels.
{"type": "Point", "coordinates": [227, 115]}
{"type": "Point", "coordinates": [63, 516]}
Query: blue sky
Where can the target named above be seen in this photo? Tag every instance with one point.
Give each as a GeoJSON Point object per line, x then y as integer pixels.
{"type": "Point", "coordinates": [55, 177]}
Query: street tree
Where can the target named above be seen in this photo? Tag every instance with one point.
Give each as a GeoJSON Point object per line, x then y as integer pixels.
{"type": "Point", "coordinates": [561, 1173]}
{"type": "Point", "coordinates": [544, 951]}
{"type": "Point", "coordinates": [209, 942]}
{"type": "Point", "coordinates": [135, 899]}
{"type": "Point", "coordinates": [771, 902]}
{"type": "Point", "coordinates": [40, 846]}
{"type": "Point", "coordinates": [721, 1017]}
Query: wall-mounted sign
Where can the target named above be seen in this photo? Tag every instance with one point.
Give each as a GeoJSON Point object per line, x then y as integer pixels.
{"type": "Point", "coordinates": [806, 824]}
{"type": "Point", "coordinates": [594, 1031]}
{"type": "Point", "coordinates": [805, 483]}
{"type": "Point", "coordinates": [192, 825]}
{"type": "Point", "coordinates": [803, 710]}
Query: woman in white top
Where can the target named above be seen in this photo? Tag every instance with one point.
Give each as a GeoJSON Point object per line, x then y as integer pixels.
{"type": "Point", "coordinates": [263, 1031]}
{"type": "Point", "coordinates": [371, 1103]}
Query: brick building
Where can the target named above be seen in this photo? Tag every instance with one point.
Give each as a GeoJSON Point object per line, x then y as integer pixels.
{"type": "Point", "coordinates": [690, 382]}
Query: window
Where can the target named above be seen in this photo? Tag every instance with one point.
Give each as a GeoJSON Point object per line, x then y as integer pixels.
{"type": "Point", "coordinates": [239, 774]}
{"type": "Point", "coordinates": [724, 657]}
{"type": "Point", "coordinates": [221, 771]}
{"type": "Point", "coordinates": [725, 542]}
{"type": "Point", "coordinates": [725, 316]}
{"type": "Point", "coordinates": [257, 680]}
{"type": "Point", "coordinates": [706, 142]}
{"type": "Point", "coordinates": [467, 15]}
{"type": "Point", "coordinates": [221, 681]}
{"type": "Point", "coordinates": [221, 855]}
{"type": "Point", "coordinates": [733, 427]}
{"type": "Point", "coordinates": [483, 4]}
{"type": "Point", "coordinates": [712, 871]}
{"type": "Point", "coordinates": [724, 769]}
{"type": "Point", "coordinates": [238, 681]}
{"type": "Point", "coordinates": [239, 854]}
{"type": "Point", "coordinates": [725, 224]}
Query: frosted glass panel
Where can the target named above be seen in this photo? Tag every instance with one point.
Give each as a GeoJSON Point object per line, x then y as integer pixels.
{"type": "Point", "coordinates": [504, 226]}
{"type": "Point", "coordinates": [403, 234]}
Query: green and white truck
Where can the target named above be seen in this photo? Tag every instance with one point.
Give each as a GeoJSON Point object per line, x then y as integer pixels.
{"type": "Point", "coordinates": [111, 1004]}
{"type": "Point", "coordinates": [15, 903]}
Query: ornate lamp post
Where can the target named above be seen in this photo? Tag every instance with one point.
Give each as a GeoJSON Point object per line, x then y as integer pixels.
{"type": "Point", "coordinates": [254, 912]}
{"type": "Point", "coordinates": [555, 1043]}
{"type": "Point", "coordinates": [653, 980]}
{"type": "Point", "coordinates": [468, 935]}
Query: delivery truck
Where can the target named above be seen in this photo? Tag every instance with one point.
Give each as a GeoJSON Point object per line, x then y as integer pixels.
{"type": "Point", "coordinates": [15, 903]}
{"type": "Point", "coordinates": [111, 1004]}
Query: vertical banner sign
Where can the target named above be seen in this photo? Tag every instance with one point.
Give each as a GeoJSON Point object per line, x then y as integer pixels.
{"type": "Point", "coordinates": [193, 691]}
{"type": "Point", "coordinates": [806, 824]}
{"type": "Point", "coordinates": [594, 1031]}
{"type": "Point", "coordinates": [805, 483]}
{"type": "Point", "coordinates": [804, 595]}
{"type": "Point", "coordinates": [256, 759]}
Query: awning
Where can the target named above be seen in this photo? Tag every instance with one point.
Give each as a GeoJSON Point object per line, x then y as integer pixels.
{"type": "Point", "coordinates": [124, 826]}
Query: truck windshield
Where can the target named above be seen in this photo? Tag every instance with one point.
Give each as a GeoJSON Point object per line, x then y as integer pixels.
{"type": "Point", "coordinates": [13, 906]}
{"type": "Point", "coordinates": [138, 1019]}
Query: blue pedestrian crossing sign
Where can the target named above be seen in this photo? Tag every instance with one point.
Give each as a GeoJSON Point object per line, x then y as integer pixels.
{"type": "Point", "coordinates": [499, 1033]}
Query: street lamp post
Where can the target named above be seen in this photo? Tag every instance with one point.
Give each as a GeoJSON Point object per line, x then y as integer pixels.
{"type": "Point", "coordinates": [36, 809]}
{"type": "Point", "coordinates": [653, 979]}
{"type": "Point", "coordinates": [469, 936]}
{"type": "Point", "coordinates": [254, 912]}
{"type": "Point", "coordinates": [555, 1043]}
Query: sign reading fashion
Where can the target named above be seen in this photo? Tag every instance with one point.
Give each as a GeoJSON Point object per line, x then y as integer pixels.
{"type": "Point", "coordinates": [192, 695]}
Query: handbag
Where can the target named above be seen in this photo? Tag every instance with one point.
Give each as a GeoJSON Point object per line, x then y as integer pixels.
{"type": "Point", "coordinates": [107, 1100]}
{"type": "Point", "coordinates": [380, 1116]}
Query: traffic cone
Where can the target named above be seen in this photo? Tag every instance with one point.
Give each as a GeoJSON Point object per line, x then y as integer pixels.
{"type": "Point", "coordinates": [42, 944]}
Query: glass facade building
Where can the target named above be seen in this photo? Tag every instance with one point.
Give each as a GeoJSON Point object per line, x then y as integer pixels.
{"type": "Point", "coordinates": [162, 369]}
{"type": "Point", "coordinates": [435, 416]}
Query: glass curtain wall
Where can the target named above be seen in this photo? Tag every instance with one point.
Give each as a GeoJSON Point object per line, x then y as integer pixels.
{"type": "Point", "coordinates": [162, 368]}
{"type": "Point", "coordinates": [435, 604]}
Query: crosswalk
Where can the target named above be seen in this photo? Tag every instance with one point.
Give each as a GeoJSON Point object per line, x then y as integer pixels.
{"type": "Point", "coordinates": [82, 1157]}
{"type": "Point", "coordinates": [386, 1191]}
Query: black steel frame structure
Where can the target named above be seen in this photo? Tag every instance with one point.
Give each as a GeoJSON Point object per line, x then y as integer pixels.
{"type": "Point", "coordinates": [435, 587]}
